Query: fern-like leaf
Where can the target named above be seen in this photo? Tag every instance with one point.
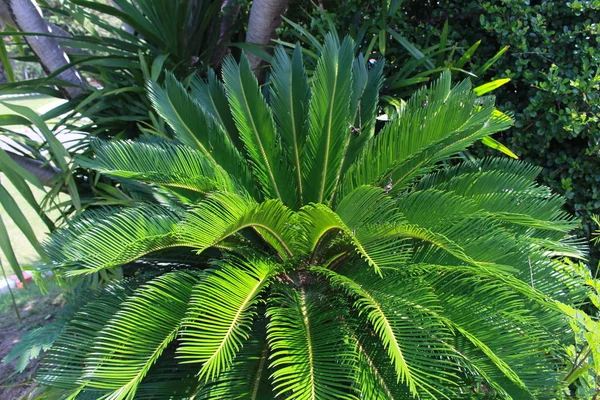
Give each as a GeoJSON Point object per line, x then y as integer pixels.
{"type": "Point", "coordinates": [220, 314]}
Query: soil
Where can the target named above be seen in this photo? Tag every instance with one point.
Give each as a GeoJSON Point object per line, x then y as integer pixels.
{"type": "Point", "coordinates": [34, 312]}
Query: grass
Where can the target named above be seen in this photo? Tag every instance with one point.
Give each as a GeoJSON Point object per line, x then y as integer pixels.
{"type": "Point", "coordinates": [33, 102]}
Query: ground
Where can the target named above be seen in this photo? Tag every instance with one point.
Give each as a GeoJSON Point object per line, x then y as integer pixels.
{"type": "Point", "coordinates": [36, 309]}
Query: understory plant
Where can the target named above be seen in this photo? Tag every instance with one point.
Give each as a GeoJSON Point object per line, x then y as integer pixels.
{"type": "Point", "coordinates": [276, 248]}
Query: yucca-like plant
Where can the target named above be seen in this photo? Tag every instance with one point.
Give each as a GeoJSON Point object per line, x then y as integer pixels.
{"type": "Point", "coordinates": [288, 248]}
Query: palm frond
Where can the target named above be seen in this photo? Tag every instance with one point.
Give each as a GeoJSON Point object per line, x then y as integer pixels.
{"type": "Point", "coordinates": [136, 335]}
{"type": "Point", "coordinates": [367, 217]}
{"type": "Point", "coordinates": [365, 99]}
{"type": "Point", "coordinates": [63, 365]}
{"type": "Point", "coordinates": [311, 358]}
{"type": "Point", "coordinates": [107, 241]}
{"type": "Point", "coordinates": [212, 97]}
{"type": "Point", "coordinates": [434, 125]}
{"type": "Point", "coordinates": [221, 215]}
{"type": "Point", "coordinates": [196, 128]}
{"type": "Point", "coordinates": [289, 98]}
{"type": "Point", "coordinates": [329, 132]}
{"type": "Point", "coordinates": [248, 376]}
{"type": "Point", "coordinates": [220, 314]}
{"type": "Point", "coordinates": [492, 317]}
{"type": "Point", "coordinates": [404, 319]}
{"type": "Point", "coordinates": [162, 163]}
{"type": "Point", "coordinates": [255, 123]}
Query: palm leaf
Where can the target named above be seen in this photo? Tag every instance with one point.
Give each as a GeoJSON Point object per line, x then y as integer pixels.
{"type": "Point", "coordinates": [248, 376]}
{"type": "Point", "coordinates": [114, 240]}
{"type": "Point", "coordinates": [330, 117]}
{"type": "Point", "coordinates": [63, 365]}
{"type": "Point", "coordinates": [257, 130]}
{"type": "Point", "coordinates": [368, 218]}
{"type": "Point", "coordinates": [221, 312]}
{"type": "Point", "coordinates": [211, 95]}
{"type": "Point", "coordinates": [435, 125]}
{"type": "Point", "coordinates": [310, 357]}
{"type": "Point", "coordinates": [404, 319]}
{"type": "Point", "coordinates": [196, 128]}
{"type": "Point", "coordinates": [224, 214]}
{"type": "Point", "coordinates": [289, 98]}
{"type": "Point", "coordinates": [163, 163]}
{"type": "Point", "coordinates": [365, 103]}
{"type": "Point", "coordinates": [137, 334]}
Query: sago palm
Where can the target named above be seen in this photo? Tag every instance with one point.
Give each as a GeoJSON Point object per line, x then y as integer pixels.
{"type": "Point", "coordinates": [287, 244]}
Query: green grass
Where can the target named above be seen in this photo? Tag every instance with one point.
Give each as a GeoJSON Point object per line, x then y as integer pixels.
{"type": "Point", "coordinates": [33, 102]}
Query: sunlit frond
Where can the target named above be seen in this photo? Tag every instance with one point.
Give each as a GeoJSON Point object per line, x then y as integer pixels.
{"type": "Point", "coordinates": [220, 314]}
{"type": "Point", "coordinates": [311, 359]}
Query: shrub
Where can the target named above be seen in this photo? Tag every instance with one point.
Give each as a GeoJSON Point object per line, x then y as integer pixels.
{"type": "Point", "coordinates": [329, 262]}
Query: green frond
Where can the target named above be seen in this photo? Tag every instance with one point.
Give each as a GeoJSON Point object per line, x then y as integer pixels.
{"type": "Point", "coordinates": [63, 365]}
{"type": "Point", "coordinates": [163, 163]}
{"type": "Point", "coordinates": [330, 116]}
{"type": "Point", "coordinates": [492, 317]}
{"type": "Point", "coordinates": [221, 215]}
{"type": "Point", "coordinates": [108, 241]}
{"type": "Point", "coordinates": [311, 358]}
{"type": "Point", "coordinates": [58, 244]}
{"type": "Point", "coordinates": [137, 334]}
{"type": "Point", "coordinates": [436, 124]}
{"type": "Point", "coordinates": [255, 123]}
{"type": "Point", "coordinates": [403, 315]}
{"type": "Point", "coordinates": [289, 99]}
{"type": "Point", "coordinates": [248, 376]}
{"type": "Point", "coordinates": [365, 101]}
{"type": "Point", "coordinates": [375, 375]}
{"type": "Point", "coordinates": [168, 379]}
{"type": "Point", "coordinates": [212, 97]}
{"type": "Point", "coordinates": [195, 127]}
{"type": "Point", "coordinates": [379, 252]}
{"type": "Point", "coordinates": [220, 314]}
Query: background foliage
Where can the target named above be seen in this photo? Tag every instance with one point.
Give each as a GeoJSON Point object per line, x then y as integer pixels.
{"type": "Point", "coordinates": [552, 63]}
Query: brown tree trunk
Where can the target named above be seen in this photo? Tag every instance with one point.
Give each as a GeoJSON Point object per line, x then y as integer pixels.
{"type": "Point", "coordinates": [229, 10]}
{"type": "Point", "coordinates": [265, 17]}
{"type": "Point", "coordinates": [25, 16]}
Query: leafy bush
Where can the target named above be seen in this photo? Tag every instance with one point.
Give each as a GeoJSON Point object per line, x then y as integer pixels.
{"type": "Point", "coordinates": [330, 262]}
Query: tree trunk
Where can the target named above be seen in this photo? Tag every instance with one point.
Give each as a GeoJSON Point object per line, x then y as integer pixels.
{"type": "Point", "coordinates": [230, 10]}
{"type": "Point", "coordinates": [265, 17]}
{"type": "Point", "coordinates": [45, 173]}
{"type": "Point", "coordinates": [25, 16]}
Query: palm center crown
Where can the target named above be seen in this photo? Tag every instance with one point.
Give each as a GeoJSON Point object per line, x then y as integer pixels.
{"type": "Point", "coordinates": [339, 256]}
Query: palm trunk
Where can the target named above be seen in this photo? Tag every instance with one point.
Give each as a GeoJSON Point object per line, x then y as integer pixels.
{"type": "Point", "coordinates": [25, 16]}
{"type": "Point", "coordinates": [265, 17]}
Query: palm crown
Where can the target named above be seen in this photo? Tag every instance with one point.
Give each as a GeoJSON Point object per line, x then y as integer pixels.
{"type": "Point", "coordinates": [331, 261]}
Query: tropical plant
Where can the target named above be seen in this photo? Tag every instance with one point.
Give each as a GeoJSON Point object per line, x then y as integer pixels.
{"type": "Point", "coordinates": [328, 261]}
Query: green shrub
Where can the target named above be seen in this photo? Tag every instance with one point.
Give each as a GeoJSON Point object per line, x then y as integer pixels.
{"type": "Point", "coordinates": [320, 262]}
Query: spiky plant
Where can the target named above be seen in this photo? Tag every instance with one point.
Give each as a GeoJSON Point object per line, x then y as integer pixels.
{"type": "Point", "coordinates": [333, 259]}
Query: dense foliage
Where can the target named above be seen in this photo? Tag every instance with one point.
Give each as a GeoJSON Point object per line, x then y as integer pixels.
{"type": "Point", "coordinates": [552, 63]}
{"type": "Point", "coordinates": [330, 262]}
